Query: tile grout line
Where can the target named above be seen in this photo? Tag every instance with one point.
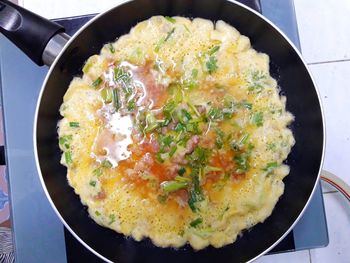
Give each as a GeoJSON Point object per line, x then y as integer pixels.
{"type": "Point", "coordinates": [330, 61]}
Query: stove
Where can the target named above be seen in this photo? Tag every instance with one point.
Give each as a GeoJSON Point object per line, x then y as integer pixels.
{"type": "Point", "coordinates": [39, 236]}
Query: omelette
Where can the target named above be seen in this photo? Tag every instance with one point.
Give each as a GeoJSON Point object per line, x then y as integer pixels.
{"type": "Point", "coordinates": [177, 132]}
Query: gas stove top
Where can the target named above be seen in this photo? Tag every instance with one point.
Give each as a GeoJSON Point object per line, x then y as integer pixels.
{"type": "Point", "coordinates": [38, 234]}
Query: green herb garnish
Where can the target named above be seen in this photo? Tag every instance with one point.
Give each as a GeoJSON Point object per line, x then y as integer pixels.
{"type": "Point", "coordinates": [246, 104]}
{"type": "Point", "coordinates": [169, 34]}
{"type": "Point", "coordinates": [242, 163]}
{"type": "Point", "coordinates": [92, 183]}
{"type": "Point", "coordinates": [213, 50]}
{"type": "Point", "coordinates": [107, 95]}
{"type": "Point", "coordinates": [68, 157]}
{"type": "Point", "coordinates": [106, 164]}
{"type": "Point", "coordinates": [162, 198]}
{"type": "Point", "coordinates": [194, 73]}
{"type": "Point", "coordinates": [116, 102]}
{"type": "Point", "coordinates": [111, 48]}
{"type": "Point", "coordinates": [270, 167]}
{"type": "Point", "coordinates": [97, 82]}
{"type": "Point", "coordinates": [163, 40]}
{"type": "Point", "coordinates": [170, 19]}
{"type": "Point", "coordinates": [111, 219]}
{"type": "Point", "coordinates": [121, 75]}
{"type": "Point", "coordinates": [74, 124]}
{"type": "Point", "coordinates": [64, 141]}
{"type": "Point", "coordinates": [258, 119]}
{"type": "Point", "coordinates": [196, 222]}
{"type": "Point", "coordinates": [169, 108]}
{"type": "Point", "coordinates": [97, 213]}
{"type": "Point", "coordinates": [179, 127]}
{"type": "Point", "coordinates": [171, 186]}
{"type": "Point", "coordinates": [172, 151]}
{"type": "Point", "coordinates": [195, 194]}
{"type": "Point", "coordinates": [181, 171]}
{"type": "Point", "coordinates": [131, 105]}
{"type": "Point", "coordinates": [211, 64]}
{"type": "Point", "coordinates": [151, 123]}
{"type": "Point", "coordinates": [97, 172]}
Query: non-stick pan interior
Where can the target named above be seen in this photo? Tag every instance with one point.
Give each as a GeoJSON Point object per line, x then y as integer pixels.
{"type": "Point", "coordinates": [295, 83]}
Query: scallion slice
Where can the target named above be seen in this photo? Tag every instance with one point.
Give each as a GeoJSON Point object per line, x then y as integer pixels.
{"type": "Point", "coordinates": [97, 82]}
{"type": "Point", "coordinates": [171, 186]}
{"type": "Point", "coordinates": [74, 124]}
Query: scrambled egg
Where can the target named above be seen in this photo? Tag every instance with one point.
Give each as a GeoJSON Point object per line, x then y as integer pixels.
{"type": "Point", "coordinates": [177, 132]}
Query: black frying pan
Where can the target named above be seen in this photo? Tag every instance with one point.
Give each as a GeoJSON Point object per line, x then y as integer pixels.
{"type": "Point", "coordinates": [32, 34]}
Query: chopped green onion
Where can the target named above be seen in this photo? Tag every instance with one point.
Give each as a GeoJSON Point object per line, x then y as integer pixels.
{"type": "Point", "coordinates": [215, 113]}
{"type": "Point", "coordinates": [97, 172]}
{"type": "Point", "coordinates": [151, 123]}
{"type": "Point", "coordinates": [209, 169]}
{"type": "Point", "coordinates": [169, 108]}
{"type": "Point", "coordinates": [181, 171]}
{"type": "Point", "coordinates": [179, 127]}
{"type": "Point", "coordinates": [220, 135]}
{"type": "Point", "coordinates": [92, 183]}
{"type": "Point", "coordinates": [68, 157]}
{"type": "Point", "coordinates": [107, 95]}
{"type": "Point", "coordinates": [116, 102]}
{"type": "Point", "coordinates": [190, 104]}
{"type": "Point", "coordinates": [131, 105]}
{"type": "Point", "coordinates": [159, 157]}
{"type": "Point", "coordinates": [242, 163]}
{"type": "Point", "coordinates": [171, 186]}
{"type": "Point", "coordinates": [64, 141]}
{"type": "Point", "coordinates": [111, 48]}
{"type": "Point", "coordinates": [106, 164]}
{"type": "Point", "coordinates": [270, 167]}
{"type": "Point", "coordinates": [165, 141]}
{"type": "Point", "coordinates": [195, 195]}
{"type": "Point", "coordinates": [211, 64]}
{"type": "Point", "coordinates": [74, 124]}
{"type": "Point", "coordinates": [243, 139]}
{"type": "Point", "coordinates": [182, 179]}
{"type": "Point", "coordinates": [196, 222]}
{"type": "Point", "coordinates": [258, 119]}
{"type": "Point", "coordinates": [172, 151]}
{"type": "Point", "coordinates": [213, 50]}
{"type": "Point", "coordinates": [121, 75]}
{"type": "Point", "coordinates": [194, 73]}
{"type": "Point", "coordinates": [169, 34]}
{"type": "Point", "coordinates": [97, 82]}
{"type": "Point", "coordinates": [186, 116]}
{"type": "Point", "coordinates": [163, 40]}
{"type": "Point", "coordinates": [111, 219]}
{"type": "Point", "coordinates": [192, 128]}
{"type": "Point", "coordinates": [170, 19]}
{"type": "Point", "coordinates": [246, 104]}
{"type": "Point", "coordinates": [199, 157]}
{"type": "Point", "coordinates": [97, 213]}
{"type": "Point", "coordinates": [162, 198]}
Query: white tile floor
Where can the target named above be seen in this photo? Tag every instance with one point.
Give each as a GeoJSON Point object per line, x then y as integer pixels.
{"type": "Point", "coordinates": [325, 41]}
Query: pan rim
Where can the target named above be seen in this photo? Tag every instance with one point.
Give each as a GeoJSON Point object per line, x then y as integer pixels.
{"type": "Point", "coordinates": [109, 10]}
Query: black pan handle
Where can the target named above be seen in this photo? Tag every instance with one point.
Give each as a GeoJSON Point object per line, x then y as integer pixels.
{"type": "Point", "coordinates": [26, 30]}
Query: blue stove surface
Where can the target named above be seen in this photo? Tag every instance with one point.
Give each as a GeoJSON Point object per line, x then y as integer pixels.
{"type": "Point", "coordinates": [39, 235]}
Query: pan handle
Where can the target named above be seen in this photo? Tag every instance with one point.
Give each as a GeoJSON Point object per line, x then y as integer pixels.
{"type": "Point", "coordinates": [30, 32]}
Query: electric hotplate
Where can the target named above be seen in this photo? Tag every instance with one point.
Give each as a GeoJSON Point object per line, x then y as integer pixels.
{"type": "Point", "coordinates": [38, 234]}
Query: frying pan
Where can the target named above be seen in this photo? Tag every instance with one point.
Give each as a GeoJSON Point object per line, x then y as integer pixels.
{"type": "Point", "coordinates": [45, 42]}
